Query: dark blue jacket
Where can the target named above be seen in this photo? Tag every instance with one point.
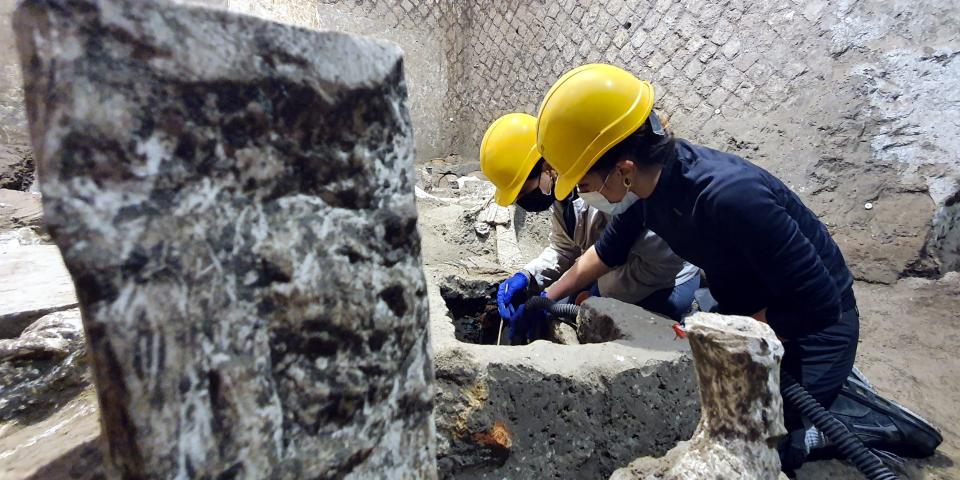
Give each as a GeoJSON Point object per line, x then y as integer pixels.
{"type": "Point", "coordinates": [758, 244]}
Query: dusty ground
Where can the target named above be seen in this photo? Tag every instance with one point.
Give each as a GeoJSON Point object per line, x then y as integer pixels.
{"type": "Point", "coordinates": [910, 334]}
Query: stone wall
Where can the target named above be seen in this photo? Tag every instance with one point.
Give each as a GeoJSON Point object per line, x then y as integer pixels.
{"type": "Point", "coordinates": [429, 32]}
{"type": "Point", "coordinates": [13, 121]}
{"type": "Point", "coordinates": [849, 102]}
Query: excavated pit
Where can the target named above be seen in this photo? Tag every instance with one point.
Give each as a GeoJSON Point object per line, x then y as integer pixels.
{"type": "Point", "coordinates": [472, 309]}
{"type": "Point", "coordinates": [547, 410]}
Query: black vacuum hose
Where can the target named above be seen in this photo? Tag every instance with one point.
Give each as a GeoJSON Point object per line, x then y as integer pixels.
{"type": "Point", "coordinates": [563, 311]}
{"type": "Point", "coordinates": [847, 443]}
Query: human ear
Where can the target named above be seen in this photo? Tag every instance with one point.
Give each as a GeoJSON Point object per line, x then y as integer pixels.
{"type": "Point", "coordinates": [627, 167]}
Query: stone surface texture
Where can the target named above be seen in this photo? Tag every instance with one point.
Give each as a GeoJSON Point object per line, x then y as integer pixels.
{"type": "Point", "coordinates": [547, 410]}
{"type": "Point", "coordinates": [20, 209]}
{"type": "Point", "coordinates": [16, 167]}
{"type": "Point", "coordinates": [737, 361]}
{"type": "Point", "coordinates": [234, 198]}
{"type": "Point", "coordinates": [63, 445]}
{"type": "Point", "coordinates": [43, 366]}
{"type": "Point", "coordinates": [432, 33]}
{"type": "Point", "coordinates": [33, 283]}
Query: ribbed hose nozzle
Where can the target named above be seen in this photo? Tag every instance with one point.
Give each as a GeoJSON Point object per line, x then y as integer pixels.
{"type": "Point", "coordinates": [560, 310]}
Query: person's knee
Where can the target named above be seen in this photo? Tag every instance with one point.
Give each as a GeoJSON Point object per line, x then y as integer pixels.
{"type": "Point", "coordinates": [681, 299]}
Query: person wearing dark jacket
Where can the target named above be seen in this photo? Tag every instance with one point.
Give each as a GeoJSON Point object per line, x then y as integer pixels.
{"type": "Point", "coordinates": [650, 275]}
{"type": "Point", "coordinates": [764, 253]}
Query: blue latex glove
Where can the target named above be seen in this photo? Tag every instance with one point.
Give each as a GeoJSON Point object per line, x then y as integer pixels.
{"type": "Point", "coordinates": [505, 293]}
{"type": "Point", "coordinates": [527, 324]}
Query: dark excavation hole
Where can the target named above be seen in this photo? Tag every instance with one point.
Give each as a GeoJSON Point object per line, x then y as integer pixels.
{"type": "Point", "coordinates": [473, 308]}
{"type": "Point", "coordinates": [627, 25]}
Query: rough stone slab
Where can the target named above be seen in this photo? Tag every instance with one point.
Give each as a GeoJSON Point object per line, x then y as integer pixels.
{"type": "Point", "coordinates": [16, 167]}
{"type": "Point", "coordinates": [547, 410]}
{"type": "Point", "coordinates": [33, 283]}
{"type": "Point", "coordinates": [608, 320]}
{"type": "Point", "coordinates": [19, 209]}
{"type": "Point", "coordinates": [737, 360]}
{"type": "Point", "coordinates": [235, 200]}
{"type": "Point", "coordinates": [43, 366]}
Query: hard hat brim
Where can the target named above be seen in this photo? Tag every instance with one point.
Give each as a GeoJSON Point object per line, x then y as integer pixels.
{"type": "Point", "coordinates": [565, 185]}
{"type": "Point", "coordinates": [573, 159]}
{"type": "Point", "coordinates": [507, 196]}
{"type": "Point", "coordinates": [567, 181]}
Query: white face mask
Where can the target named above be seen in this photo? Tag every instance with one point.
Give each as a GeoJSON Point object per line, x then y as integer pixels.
{"type": "Point", "coordinates": [598, 201]}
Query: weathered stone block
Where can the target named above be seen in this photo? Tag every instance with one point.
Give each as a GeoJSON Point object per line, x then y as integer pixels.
{"type": "Point", "coordinates": [547, 410]}
{"type": "Point", "coordinates": [737, 360]}
{"type": "Point", "coordinates": [234, 199]}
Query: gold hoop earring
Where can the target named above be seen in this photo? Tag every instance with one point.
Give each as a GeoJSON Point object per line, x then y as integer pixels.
{"type": "Point", "coordinates": [627, 182]}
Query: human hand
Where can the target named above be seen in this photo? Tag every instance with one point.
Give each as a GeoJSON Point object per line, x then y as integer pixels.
{"type": "Point", "coordinates": [506, 292]}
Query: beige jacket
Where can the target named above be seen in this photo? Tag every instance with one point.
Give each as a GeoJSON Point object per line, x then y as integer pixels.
{"type": "Point", "coordinates": [651, 266]}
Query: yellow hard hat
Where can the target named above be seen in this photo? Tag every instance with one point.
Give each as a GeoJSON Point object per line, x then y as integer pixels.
{"type": "Point", "coordinates": [589, 110]}
{"type": "Point", "coordinates": [508, 154]}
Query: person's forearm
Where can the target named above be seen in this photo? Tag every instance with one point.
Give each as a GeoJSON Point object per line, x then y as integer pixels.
{"type": "Point", "coordinates": [586, 270]}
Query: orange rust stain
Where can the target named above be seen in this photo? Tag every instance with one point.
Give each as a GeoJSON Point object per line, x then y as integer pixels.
{"type": "Point", "coordinates": [498, 436]}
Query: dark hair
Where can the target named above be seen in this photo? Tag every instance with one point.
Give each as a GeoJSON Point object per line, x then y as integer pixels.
{"type": "Point", "coordinates": [537, 168]}
{"type": "Point", "coordinates": [643, 147]}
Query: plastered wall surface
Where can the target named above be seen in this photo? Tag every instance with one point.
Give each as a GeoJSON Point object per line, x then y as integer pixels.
{"type": "Point", "coordinates": [13, 120]}
{"type": "Point", "coordinates": [850, 102]}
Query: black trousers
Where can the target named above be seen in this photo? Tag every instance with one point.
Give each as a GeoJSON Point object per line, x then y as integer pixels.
{"type": "Point", "coordinates": [821, 362]}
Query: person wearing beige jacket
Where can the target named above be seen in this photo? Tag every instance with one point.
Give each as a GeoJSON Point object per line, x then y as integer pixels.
{"type": "Point", "coordinates": [653, 277]}
{"type": "Point", "coordinates": [651, 266]}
